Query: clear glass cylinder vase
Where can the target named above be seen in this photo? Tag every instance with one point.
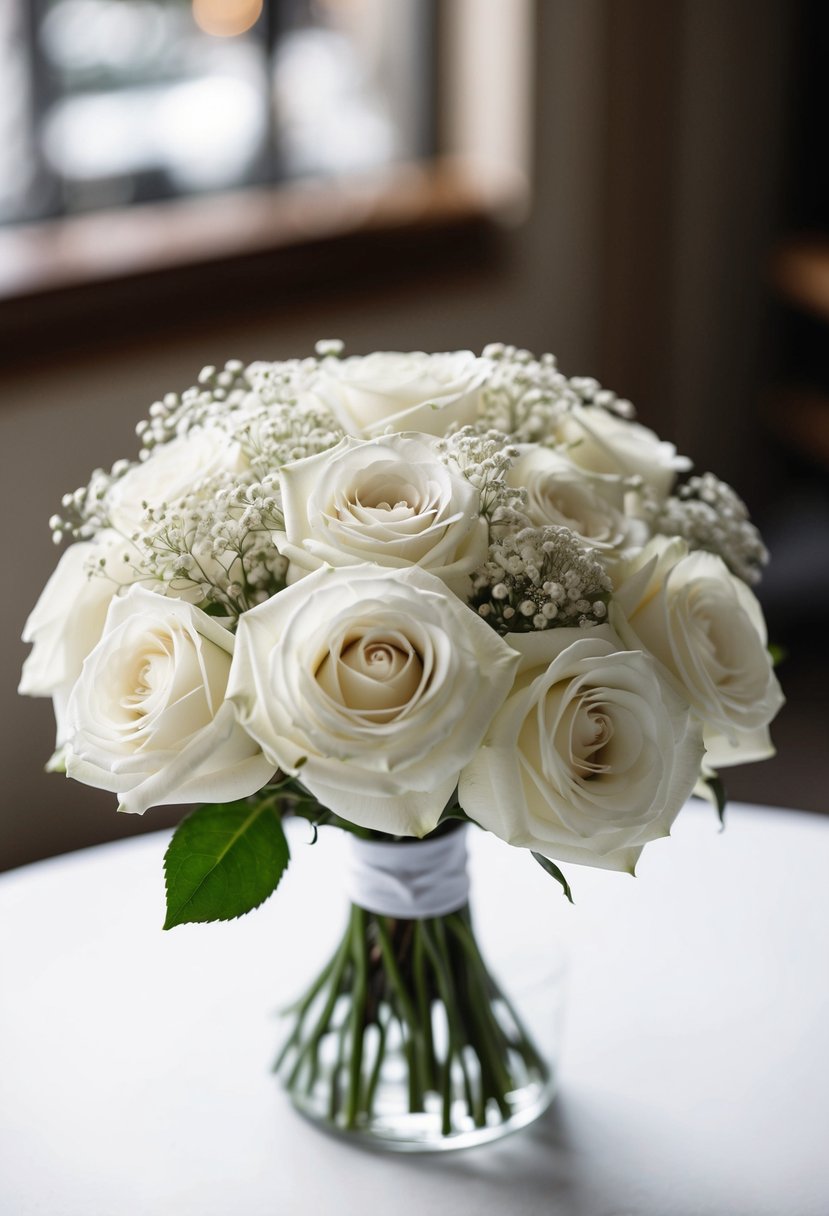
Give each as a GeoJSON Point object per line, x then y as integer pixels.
{"type": "Point", "coordinates": [409, 1038]}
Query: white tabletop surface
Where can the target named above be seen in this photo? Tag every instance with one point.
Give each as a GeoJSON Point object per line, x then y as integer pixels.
{"type": "Point", "coordinates": [134, 1064]}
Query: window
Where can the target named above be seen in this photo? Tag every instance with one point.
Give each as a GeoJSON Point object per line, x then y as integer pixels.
{"type": "Point", "coordinates": [105, 103]}
{"type": "Point", "coordinates": [159, 158]}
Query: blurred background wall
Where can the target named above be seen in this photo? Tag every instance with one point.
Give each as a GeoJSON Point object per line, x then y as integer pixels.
{"type": "Point", "coordinates": [636, 185]}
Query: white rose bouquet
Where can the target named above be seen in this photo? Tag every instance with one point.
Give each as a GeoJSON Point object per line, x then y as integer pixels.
{"type": "Point", "coordinates": [396, 594]}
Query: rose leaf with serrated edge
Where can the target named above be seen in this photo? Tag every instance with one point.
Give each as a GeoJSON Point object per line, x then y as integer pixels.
{"type": "Point", "coordinates": [223, 861]}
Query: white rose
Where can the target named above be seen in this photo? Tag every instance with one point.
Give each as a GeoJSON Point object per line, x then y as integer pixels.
{"type": "Point", "coordinates": [68, 619]}
{"type": "Point", "coordinates": [375, 686]}
{"type": "Point", "coordinates": [602, 442]}
{"type": "Point", "coordinates": [707, 628]}
{"type": "Point", "coordinates": [591, 756]}
{"type": "Point", "coordinates": [391, 501]}
{"type": "Point", "coordinates": [591, 505]}
{"type": "Point", "coordinates": [148, 717]}
{"type": "Point", "coordinates": [171, 472]}
{"type": "Point", "coordinates": [370, 394]}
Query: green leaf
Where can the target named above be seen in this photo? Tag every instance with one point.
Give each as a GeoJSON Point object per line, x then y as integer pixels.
{"type": "Point", "coordinates": [56, 762]}
{"type": "Point", "coordinates": [453, 812]}
{"type": "Point", "coordinates": [718, 795]}
{"type": "Point", "coordinates": [778, 654]}
{"type": "Point", "coordinates": [214, 608]}
{"type": "Point", "coordinates": [553, 870]}
{"type": "Point", "coordinates": [224, 860]}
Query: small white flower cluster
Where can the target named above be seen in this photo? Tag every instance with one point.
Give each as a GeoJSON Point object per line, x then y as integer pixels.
{"type": "Point", "coordinates": [83, 511]}
{"type": "Point", "coordinates": [485, 459]}
{"type": "Point", "coordinates": [221, 537]}
{"type": "Point", "coordinates": [218, 543]}
{"type": "Point", "coordinates": [273, 435]}
{"type": "Point", "coordinates": [541, 577]}
{"type": "Point", "coordinates": [257, 406]}
{"type": "Point", "coordinates": [212, 401]}
{"type": "Point", "coordinates": [526, 397]}
{"type": "Point", "coordinates": [710, 515]}
{"type": "Point", "coordinates": [591, 392]}
{"type": "Point", "coordinates": [215, 543]}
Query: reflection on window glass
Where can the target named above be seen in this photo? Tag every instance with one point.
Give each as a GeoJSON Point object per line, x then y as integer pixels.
{"type": "Point", "coordinates": [110, 102]}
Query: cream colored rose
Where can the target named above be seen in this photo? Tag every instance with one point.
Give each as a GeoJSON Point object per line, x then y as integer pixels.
{"type": "Point", "coordinates": [68, 618]}
{"type": "Point", "coordinates": [148, 718]}
{"type": "Point", "coordinates": [602, 442]}
{"type": "Point", "coordinates": [391, 501]}
{"type": "Point", "coordinates": [707, 628]}
{"type": "Point", "coordinates": [591, 756]}
{"type": "Point", "coordinates": [388, 391]}
{"type": "Point", "coordinates": [591, 505]}
{"type": "Point", "coordinates": [172, 471]}
{"type": "Point", "coordinates": [374, 686]}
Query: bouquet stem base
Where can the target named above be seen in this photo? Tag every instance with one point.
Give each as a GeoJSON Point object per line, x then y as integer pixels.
{"type": "Point", "coordinates": [406, 1042]}
{"type": "Point", "coordinates": [422, 1132]}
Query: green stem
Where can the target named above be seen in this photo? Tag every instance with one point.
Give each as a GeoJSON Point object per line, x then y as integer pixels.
{"type": "Point", "coordinates": [357, 1018]}
{"type": "Point", "coordinates": [334, 1096]}
{"type": "Point", "coordinates": [437, 953]}
{"type": "Point", "coordinates": [301, 1007]}
{"type": "Point", "coordinates": [490, 1042]}
{"type": "Point", "coordinates": [371, 1089]}
{"type": "Point", "coordinates": [424, 1003]}
{"type": "Point", "coordinates": [325, 1016]}
{"type": "Point", "coordinates": [413, 1041]}
{"type": "Point", "coordinates": [522, 1041]}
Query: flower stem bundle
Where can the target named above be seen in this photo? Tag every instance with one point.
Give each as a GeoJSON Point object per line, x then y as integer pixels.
{"type": "Point", "coordinates": [410, 996]}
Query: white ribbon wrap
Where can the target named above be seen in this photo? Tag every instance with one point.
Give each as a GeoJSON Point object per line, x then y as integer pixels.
{"type": "Point", "coordinates": [408, 881]}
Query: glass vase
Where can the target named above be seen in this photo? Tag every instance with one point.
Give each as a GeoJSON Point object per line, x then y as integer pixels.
{"type": "Point", "coordinates": [408, 1040]}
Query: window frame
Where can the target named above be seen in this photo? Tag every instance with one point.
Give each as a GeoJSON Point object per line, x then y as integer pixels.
{"type": "Point", "coordinates": [74, 283]}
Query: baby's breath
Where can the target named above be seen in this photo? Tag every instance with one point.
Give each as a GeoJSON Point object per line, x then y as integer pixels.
{"type": "Point", "coordinates": [219, 544]}
{"type": "Point", "coordinates": [710, 515]}
{"type": "Point", "coordinates": [215, 397]}
{"type": "Point", "coordinates": [485, 460]}
{"type": "Point", "coordinates": [83, 511]}
{"type": "Point", "coordinates": [537, 578]}
{"type": "Point", "coordinates": [272, 435]}
{"type": "Point", "coordinates": [526, 397]}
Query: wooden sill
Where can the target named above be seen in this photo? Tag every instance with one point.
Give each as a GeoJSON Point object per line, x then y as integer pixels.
{"type": "Point", "coordinates": [73, 283]}
{"type": "Point", "coordinates": [800, 271]}
{"type": "Point", "coordinates": [799, 417]}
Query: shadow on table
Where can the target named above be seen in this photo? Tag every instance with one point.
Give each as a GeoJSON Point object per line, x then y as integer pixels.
{"type": "Point", "coordinates": [562, 1164]}
{"type": "Point", "coordinates": [536, 1168]}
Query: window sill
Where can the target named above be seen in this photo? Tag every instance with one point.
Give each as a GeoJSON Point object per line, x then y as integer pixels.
{"type": "Point", "coordinates": [800, 272]}
{"type": "Point", "coordinates": [73, 283]}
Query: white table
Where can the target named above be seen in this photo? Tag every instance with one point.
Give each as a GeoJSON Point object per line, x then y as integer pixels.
{"type": "Point", "coordinates": [694, 1076]}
